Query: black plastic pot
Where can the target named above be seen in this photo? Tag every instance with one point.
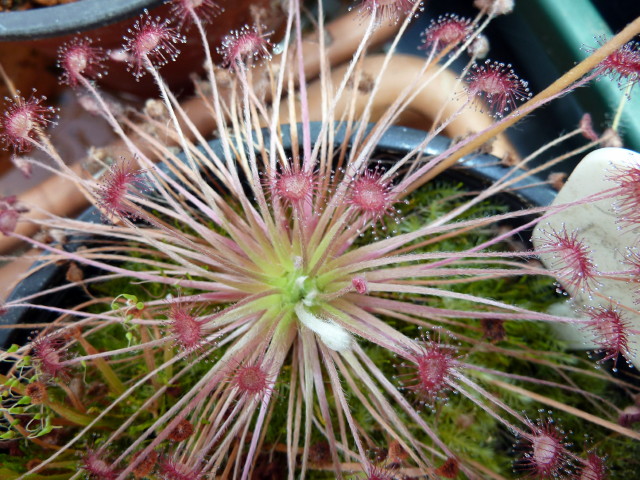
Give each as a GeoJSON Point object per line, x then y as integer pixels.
{"type": "Point", "coordinates": [477, 171]}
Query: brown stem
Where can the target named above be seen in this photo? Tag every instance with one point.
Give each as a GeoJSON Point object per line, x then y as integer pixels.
{"type": "Point", "coordinates": [114, 382]}
{"type": "Point", "coordinates": [26, 434]}
{"type": "Point", "coordinates": [567, 408]}
{"type": "Point", "coordinates": [59, 408]}
{"type": "Point", "coordinates": [73, 398]}
{"type": "Point", "coordinates": [562, 83]}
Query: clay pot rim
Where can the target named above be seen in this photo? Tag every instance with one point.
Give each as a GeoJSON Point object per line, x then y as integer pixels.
{"type": "Point", "coordinates": [69, 18]}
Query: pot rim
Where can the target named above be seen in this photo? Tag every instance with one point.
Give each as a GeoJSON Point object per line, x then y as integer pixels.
{"type": "Point", "coordinates": [69, 18]}
{"type": "Point", "coordinates": [477, 170]}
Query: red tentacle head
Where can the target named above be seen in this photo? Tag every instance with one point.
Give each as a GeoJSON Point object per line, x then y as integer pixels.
{"type": "Point", "coordinates": [446, 32]}
{"type": "Point", "coordinates": [80, 59]}
{"type": "Point", "coordinates": [498, 85]}
{"type": "Point", "coordinates": [23, 120]}
{"type": "Point", "coordinates": [187, 11]}
{"type": "Point", "coordinates": [545, 452]}
{"type": "Point", "coordinates": [117, 183]}
{"type": "Point", "coordinates": [610, 331]}
{"type": "Point", "coordinates": [152, 43]}
{"type": "Point", "coordinates": [246, 47]}
{"type": "Point", "coordinates": [49, 356]}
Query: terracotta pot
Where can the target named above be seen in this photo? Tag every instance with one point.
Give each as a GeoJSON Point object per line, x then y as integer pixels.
{"type": "Point", "coordinates": [46, 29]}
{"type": "Point", "coordinates": [61, 197]}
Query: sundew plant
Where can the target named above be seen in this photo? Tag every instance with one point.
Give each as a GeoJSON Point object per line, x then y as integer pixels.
{"type": "Point", "coordinates": [287, 301]}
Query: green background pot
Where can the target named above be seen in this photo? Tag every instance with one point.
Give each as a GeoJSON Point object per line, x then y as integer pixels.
{"type": "Point", "coordinates": [542, 39]}
{"type": "Point", "coordinates": [566, 31]}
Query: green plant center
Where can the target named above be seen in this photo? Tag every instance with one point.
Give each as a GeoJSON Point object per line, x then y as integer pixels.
{"type": "Point", "coordinates": [298, 287]}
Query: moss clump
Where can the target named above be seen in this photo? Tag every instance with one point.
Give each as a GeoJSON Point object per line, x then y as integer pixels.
{"type": "Point", "coordinates": [527, 349]}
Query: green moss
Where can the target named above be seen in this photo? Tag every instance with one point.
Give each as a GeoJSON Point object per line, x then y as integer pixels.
{"type": "Point", "coordinates": [470, 432]}
{"type": "Point", "coordinates": [481, 438]}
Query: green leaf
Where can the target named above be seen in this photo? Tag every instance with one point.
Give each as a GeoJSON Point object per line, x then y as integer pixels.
{"type": "Point", "coordinates": [44, 431]}
{"type": "Point", "coordinates": [26, 400]}
{"type": "Point", "coordinates": [13, 348]}
{"type": "Point", "coordinates": [12, 382]}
